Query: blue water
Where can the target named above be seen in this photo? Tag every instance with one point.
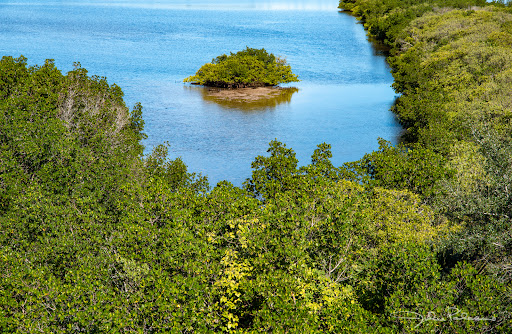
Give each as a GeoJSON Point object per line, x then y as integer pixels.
{"type": "Point", "coordinates": [148, 47]}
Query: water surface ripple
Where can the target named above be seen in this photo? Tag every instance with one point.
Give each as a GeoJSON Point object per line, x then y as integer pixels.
{"type": "Point", "coordinates": [148, 47]}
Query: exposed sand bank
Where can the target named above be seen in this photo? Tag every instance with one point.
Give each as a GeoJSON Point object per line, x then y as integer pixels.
{"type": "Point", "coordinates": [246, 94]}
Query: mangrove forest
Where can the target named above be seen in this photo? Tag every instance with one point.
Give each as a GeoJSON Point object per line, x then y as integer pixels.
{"type": "Point", "coordinates": [98, 236]}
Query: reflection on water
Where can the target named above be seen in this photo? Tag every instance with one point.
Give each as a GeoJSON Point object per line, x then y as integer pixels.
{"type": "Point", "coordinates": [247, 99]}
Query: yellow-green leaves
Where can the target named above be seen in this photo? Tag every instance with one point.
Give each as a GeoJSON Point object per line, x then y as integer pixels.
{"type": "Point", "coordinates": [398, 216]}
{"type": "Point", "coordinates": [234, 270]}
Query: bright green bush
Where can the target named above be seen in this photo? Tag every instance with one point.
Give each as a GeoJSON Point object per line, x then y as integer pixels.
{"type": "Point", "coordinates": [247, 68]}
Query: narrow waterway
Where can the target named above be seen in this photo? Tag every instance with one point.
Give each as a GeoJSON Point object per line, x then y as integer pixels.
{"type": "Point", "coordinates": [148, 47]}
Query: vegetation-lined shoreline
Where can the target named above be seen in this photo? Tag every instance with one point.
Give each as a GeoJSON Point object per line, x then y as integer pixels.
{"type": "Point", "coordinates": [451, 65]}
{"type": "Point", "coordinates": [96, 237]}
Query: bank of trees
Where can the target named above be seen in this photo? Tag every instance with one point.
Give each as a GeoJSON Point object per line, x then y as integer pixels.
{"type": "Point", "coordinates": [97, 237]}
{"type": "Point", "coordinates": [451, 65]}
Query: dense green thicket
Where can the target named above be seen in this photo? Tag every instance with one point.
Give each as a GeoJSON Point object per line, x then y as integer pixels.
{"type": "Point", "coordinates": [96, 237]}
{"type": "Point", "coordinates": [451, 64]}
{"type": "Point", "coordinates": [247, 68]}
{"type": "Point", "coordinates": [385, 19]}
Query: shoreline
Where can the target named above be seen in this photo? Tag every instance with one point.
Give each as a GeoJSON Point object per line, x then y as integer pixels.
{"type": "Point", "coordinates": [252, 94]}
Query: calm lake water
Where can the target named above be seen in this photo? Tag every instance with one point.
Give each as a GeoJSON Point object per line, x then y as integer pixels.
{"type": "Point", "coordinates": [149, 47]}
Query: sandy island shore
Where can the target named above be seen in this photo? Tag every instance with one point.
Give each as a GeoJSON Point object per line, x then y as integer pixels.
{"type": "Point", "coordinates": [245, 94]}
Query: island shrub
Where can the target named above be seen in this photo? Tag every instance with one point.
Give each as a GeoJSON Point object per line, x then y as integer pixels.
{"type": "Point", "coordinates": [247, 68]}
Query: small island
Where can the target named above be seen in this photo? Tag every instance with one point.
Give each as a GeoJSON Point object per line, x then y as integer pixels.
{"type": "Point", "coordinates": [248, 68]}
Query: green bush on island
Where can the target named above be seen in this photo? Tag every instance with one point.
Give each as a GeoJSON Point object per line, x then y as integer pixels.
{"type": "Point", "coordinates": [247, 68]}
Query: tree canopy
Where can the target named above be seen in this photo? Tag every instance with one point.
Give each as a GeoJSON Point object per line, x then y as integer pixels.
{"type": "Point", "coordinates": [246, 68]}
{"type": "Point", "coordinates": [97, 237]}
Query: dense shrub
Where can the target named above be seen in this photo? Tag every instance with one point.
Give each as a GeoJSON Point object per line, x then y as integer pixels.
{"type": "Point", "coordinates": [451, 64]}
{"type": "Point", "coordinates": [96, 237]}
{"type": "Point", "coordinates": [247, 68]}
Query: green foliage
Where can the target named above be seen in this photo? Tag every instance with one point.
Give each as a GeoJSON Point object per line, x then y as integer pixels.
{"type": "Point", "coordinates": [72, 179]}
{"type": "Point", "coordinates": [417, 169]}
{"type": "Point", "coordinates": [452, 69]}
{"type": "Point", "coordinates": [246, 68]}
{"type": "Point", "coordinates": [97, 237]}
{"type": "Point", "coordinates": [275, 174]}
{"type": "Point", "coordinates": [386, 19]}
{"type": "Point", "coordinates": [466, 301]}
{"type": "Point", "coordinates": [173, 173]}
